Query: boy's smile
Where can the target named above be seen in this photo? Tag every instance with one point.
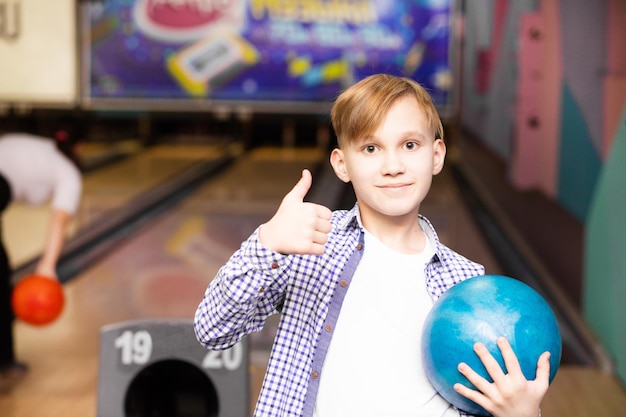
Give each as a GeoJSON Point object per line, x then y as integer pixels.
{"type": "Point", "coordinates": [391, 170]}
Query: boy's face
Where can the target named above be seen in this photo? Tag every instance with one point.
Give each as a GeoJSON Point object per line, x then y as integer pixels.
{"type": "Point", "coordinates": [391, 170]}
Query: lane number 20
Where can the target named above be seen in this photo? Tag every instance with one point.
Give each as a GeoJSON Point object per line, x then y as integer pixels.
{"type": "Point", "coordinates": [224, 359]}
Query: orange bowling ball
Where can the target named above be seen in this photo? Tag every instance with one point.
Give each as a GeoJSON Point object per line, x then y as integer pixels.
{"type": "Point", "coordinates": [38, 300]}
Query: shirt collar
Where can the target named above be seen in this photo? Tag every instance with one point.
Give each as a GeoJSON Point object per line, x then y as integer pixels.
{"type": "Point", "coordinates": [351, 220]}
{"type": "Point", "coordinates": [429, 230]}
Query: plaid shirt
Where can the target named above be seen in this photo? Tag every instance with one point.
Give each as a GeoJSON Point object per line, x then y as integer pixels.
{"type": "Point", "coordinates": [308, 291]}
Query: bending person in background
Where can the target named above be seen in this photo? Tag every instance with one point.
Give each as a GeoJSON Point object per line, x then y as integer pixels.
{"type": "Point", "coordinates": [35, 170]}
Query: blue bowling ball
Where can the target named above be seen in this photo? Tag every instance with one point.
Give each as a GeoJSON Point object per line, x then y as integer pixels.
{"type": "Point", "coordinates": [481, 309]}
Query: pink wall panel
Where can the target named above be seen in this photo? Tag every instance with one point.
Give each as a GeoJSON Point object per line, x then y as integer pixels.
{"type": "Point", "coordinates": [551, 90]}
{"type": "Point", "coordinates": [528, 123]}
{"type": "Point", "coordinates": [538, 114]}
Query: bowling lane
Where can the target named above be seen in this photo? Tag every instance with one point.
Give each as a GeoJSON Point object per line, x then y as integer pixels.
{"type": "Point", "coordinates": [106, 189]}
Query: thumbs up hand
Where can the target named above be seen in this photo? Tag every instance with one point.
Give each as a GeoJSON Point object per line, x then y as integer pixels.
{"type": "Point", "coordinates": [298, 227]}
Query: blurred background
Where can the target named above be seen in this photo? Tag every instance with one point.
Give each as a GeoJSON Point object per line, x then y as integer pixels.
{"type": "Point", "coordinates": [208, 110]}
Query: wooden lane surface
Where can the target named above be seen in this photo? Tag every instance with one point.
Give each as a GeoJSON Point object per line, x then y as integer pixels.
{"type": "Point", "coordinates": [191, 243]}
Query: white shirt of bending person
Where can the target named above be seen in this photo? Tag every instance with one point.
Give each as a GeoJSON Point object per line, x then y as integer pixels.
{"type": "Point", "coordinates": [37, 172]}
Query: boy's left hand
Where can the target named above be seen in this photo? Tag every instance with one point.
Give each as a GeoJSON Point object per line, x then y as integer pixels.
{"type": "Point", "coordinates": [510, 394]}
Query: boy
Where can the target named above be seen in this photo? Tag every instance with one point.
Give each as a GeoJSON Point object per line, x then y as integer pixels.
{"type": "Point", "coordinates": [354, 287]}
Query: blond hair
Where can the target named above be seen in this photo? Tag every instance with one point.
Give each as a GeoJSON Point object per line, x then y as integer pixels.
{"type": "Point", "coordinates": [360, 109]}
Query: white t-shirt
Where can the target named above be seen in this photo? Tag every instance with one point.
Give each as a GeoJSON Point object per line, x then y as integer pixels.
{"type": "Point", "coordinates": [373, 366]}
{"type": "Point", "coordinates": [36, 172]}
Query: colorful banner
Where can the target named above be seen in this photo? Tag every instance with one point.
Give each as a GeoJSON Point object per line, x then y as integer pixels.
{"type": "Point", "coordinates": [262, 50]}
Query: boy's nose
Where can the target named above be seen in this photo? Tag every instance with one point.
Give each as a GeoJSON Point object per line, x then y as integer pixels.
{"type": "Point", "coordinates": [393, 164]}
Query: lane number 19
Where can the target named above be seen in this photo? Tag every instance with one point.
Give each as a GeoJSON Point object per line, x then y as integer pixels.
{"type": "Point", "coordinates": [136, 347]}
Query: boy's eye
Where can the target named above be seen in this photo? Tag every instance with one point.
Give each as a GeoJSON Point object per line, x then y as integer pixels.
{"type": "Point", "coordinates": [411, 145]}
{"type": "Point", "coordinates": [370, 149]}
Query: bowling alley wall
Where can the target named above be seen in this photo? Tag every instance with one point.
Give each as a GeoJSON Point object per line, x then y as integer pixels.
{"type": "Point", "coordinates": [38, 53]}
{"type": "Point", "coordinates": [544, 89]}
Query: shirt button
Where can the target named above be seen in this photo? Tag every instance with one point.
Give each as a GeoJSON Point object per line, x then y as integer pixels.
{"type": "Point", "coordinates": [359, 246]}
{"type": "Point", "coordinates": [261, 289]}
{"type": "Point", "coordinates": [343, 283]}
{"type": "Point", "coordinates": [329, 328]}
{"type": "Point", "coordinates": [314, 375]}
{"type": "Point", "coordinates": [274, 265]}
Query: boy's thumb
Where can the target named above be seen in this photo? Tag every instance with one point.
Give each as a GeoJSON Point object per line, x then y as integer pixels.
{"type": "Point", "coordinates": [303, 186]}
